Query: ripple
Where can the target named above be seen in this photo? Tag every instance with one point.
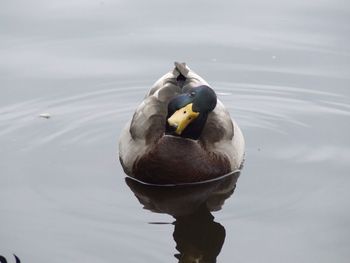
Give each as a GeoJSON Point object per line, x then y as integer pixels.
{"type": "Point", "coordinates": [91, 116]}
{"type": "Point", "coordinates": [74, 117]}
{"type": "Point", "coordinates": [266, 106]}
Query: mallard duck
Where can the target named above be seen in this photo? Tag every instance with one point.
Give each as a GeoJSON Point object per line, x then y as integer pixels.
{"type": "Point", "coordinates": [180, 133]}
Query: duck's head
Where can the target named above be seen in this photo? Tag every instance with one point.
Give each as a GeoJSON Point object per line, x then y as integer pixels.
{"type": "Point", "coordinates": [188, 112]}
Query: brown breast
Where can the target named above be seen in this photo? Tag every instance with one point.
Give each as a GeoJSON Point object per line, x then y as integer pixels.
{"type": "Point", "coordinates": [176, 160]}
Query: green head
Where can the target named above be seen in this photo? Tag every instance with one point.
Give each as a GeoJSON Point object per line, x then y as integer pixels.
{"type": "Point", "coordinates": [188, 112]}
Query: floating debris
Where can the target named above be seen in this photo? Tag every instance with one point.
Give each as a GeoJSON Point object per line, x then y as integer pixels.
{"type": "Point", "coordinates": [45, 115]}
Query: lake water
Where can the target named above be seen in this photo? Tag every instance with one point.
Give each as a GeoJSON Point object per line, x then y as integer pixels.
{"type": "Point", "coordinates": [280, 67]}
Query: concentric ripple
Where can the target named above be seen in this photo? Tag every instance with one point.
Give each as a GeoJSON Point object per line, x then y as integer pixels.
{"type": "Point", "coordinates": [95, 115]}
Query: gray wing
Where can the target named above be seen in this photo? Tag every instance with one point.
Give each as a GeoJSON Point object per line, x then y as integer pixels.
{"type": "Point", "coordinates": [219, 126]}
{"type": "Point", "coordinates": [221, 134]}
{"type": "Point", "coordinates": [148, 121]}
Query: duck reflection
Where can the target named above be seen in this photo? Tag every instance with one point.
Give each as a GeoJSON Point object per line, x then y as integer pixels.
{"type": "Point", "coordinates": [198, 237]}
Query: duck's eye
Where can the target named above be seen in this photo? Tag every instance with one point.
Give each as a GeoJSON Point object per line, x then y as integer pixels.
{"type": "Point", "coordinates": [184, 112]}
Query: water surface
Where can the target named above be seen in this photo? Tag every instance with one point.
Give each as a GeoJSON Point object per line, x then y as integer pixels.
{"type": "Point", "coordinates": [280, 67]}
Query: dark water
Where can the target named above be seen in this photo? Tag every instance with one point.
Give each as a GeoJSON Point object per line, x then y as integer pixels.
{"type": "Point", "coordinates": [281, 68]}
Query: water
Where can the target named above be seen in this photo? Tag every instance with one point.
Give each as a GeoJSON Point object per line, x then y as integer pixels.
{"type": "Point", "coordinates": [281, 68]}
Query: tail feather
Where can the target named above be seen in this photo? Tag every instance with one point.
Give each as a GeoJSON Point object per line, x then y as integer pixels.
{"type": "Point", "coordinates": [182, 68]}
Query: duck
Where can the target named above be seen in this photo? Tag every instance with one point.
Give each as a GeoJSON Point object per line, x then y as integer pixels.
{"type": "Point", "coordinates": [181, 133]}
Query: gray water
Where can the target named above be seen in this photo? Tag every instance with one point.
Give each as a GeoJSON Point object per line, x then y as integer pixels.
{"type": "Point", "coordinates": [280, 67]}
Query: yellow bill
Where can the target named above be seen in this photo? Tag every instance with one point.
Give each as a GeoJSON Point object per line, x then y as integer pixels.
{"type": "Point", "coordinates": [182, 118]}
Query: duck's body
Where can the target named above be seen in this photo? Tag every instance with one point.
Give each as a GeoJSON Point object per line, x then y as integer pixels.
{"type": "Point", "coordinates": [148, 152]}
